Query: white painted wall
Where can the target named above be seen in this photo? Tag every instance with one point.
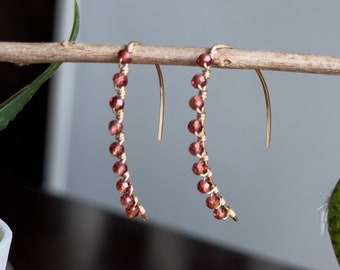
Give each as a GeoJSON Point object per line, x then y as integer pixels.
{"type": "Point", "coordinates": [275, 192]}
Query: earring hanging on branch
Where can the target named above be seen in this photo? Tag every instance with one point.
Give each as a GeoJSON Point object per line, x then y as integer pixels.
{"type": "Point", "coordinates": [206, 185]}
{"type": "Point", "coordinates": [128, 199]}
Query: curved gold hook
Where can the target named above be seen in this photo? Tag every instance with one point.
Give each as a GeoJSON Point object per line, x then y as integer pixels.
{"type": "Point", "coordinates": [268, 107]}
{"type": "Point", "coordinates": [265, 90]}
{"type": "Point", "coordinates": [161, 102]}
{"type": "Point", "coordinates": [161, 93]}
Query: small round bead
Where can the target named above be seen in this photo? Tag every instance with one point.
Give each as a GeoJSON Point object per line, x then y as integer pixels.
{"type": "Point", "coordinates": [204, 186]}
{"type": "Point", "coordinates": [116, 103]}
{"type": "Point", "coordinates": [119, 168]}
{"type": "Point", "coordinates": [196, 102]}
{"type": "Point", "coordinates": [115, 127]}
{"type": "Point", "coordinates": [120, 80]}
{"type": "Point", "coordinates": [213, 202]}
{"type": "Point", "coordinates": [199, 80]}
{"type": "Point", "coordinates": [116, 149]}
{"type": "Point", "coordinates": [195, 126]}
{"type": "Point", "coordinates": [204, 59]}
{"type": "Point", "coordinates": [127, 200]}
{"type": "Point", "coordinates": [124, 56]}
{"type": "Point", "coordinates": [220, 213]}
{"type": "Point", "coordinates": [199, 168]}
{"type": "Point", "coordinates": [123, 186]}
{"type": "Point", "coordinates": [196, 148]}
{"type": "Point", "coordinates": [132, 212]}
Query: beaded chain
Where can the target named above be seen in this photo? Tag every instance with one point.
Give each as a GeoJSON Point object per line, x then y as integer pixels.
{"type": "Point", "coordinates": [197, 148]}
{"type": "Point", "coordinates": [128, 200]}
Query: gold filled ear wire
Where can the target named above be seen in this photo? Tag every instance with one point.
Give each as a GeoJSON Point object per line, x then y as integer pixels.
{"type": "Point", "coordinates": [265, 91]}
{"type": "Point", "coordinates": [268, 107]}
{"type": "Point", "coordinates": [128, 199]}
{"type": "Point", "coordinates": [161, 103]}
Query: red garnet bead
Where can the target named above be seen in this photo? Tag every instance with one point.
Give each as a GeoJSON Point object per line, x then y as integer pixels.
{"type": "Point", "coordinates": [124, 56]}
{"type": "Point", "coordinates": [116, 103]}
{"type": "Point", "coordinates": [220, 213]}
{"type": "Point", "coordinates": [127, 200]}
{"type": "Point", "coordinates": [132, 212]}
{"type": "Point", "coordinates": [196, 148]}
{"type": "Point", "coordinates": [123, 186]}
{"type": "Point", "coordinates": [120, 80]}
{"type": "Point", "coordinates": [200, 167]}
{"type": "Point", "coordinates": [116, 149]}
{"type": "Point", "coordinates": [195, 126]}
{"type": "Point", "coordinates": [199, 80]}
{"type": "Point", "coordinates": [213, 202]}
{"type": "Point", "coordinates": [196, 102]}
{"type": "Point", "coordinates": [119, 168]}
{"type": "Point", "coordinates": [204, 186]}
{"type": "Point", "coordinates": [115, 127]}
{"type": "Point", "coordinates": [204, 60]}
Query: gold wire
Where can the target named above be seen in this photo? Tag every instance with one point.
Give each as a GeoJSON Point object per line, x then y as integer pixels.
{"type": "Point", "coordinates": [268, 107]}
{"type": "Point", "coordinates": [161, 92]}
{"type": "Point", "coordinates": [268, 116]}
{"type": "Point", "coordinates": [265, 90]}
{"type": "Point", "coordinates": [161, 102]}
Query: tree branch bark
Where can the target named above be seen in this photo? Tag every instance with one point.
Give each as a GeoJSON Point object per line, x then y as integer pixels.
{"type": "Point", "coordinates": [34, 53]}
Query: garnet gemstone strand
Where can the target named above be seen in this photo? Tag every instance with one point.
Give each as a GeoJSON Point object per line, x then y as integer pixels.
{"type": "Point", "coordinates": [128, 200]}
{"type": "Point", "coordinates": [196, 103]}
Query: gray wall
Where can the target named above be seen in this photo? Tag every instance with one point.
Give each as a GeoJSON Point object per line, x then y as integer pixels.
{"type": "Point", "coordinates": [276, 192]}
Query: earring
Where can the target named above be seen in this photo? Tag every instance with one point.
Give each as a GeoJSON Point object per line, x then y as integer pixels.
{"type": "Point", "coordinates": [128, 199]}
{"type": "Point", "coordinates": [206, 185]}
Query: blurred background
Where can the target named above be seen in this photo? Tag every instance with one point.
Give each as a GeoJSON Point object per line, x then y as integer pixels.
{"type": "Point", "coordinates": [276, 192]}
{"type": "Point", "coordinates": [22, 143]}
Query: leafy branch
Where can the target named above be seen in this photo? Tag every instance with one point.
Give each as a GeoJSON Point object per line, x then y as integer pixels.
{"type": "Point", "coordinates": [33, 53]}
{"type": "Point", "coordinates": [13, 105]}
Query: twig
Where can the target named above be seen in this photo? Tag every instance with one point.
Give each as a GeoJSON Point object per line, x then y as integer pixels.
{"type": "Point", "coordinates": [33, 53]}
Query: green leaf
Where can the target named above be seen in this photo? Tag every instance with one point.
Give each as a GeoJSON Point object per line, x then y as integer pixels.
{"type": "Point", "coordinates": [334, 220]}
{"type": "Point", "coordinates": [12, 106]}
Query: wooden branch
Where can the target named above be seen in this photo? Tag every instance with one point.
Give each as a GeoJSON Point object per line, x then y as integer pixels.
{"type": "Point", "coordinates": [34, 53]}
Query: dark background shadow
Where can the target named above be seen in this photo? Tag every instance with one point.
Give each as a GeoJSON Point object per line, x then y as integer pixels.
{"type": "Point", "coordinates": [22, 142]}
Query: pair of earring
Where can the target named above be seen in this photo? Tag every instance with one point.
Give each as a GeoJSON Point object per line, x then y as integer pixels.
{"type": "Point", "coordinates": [201, 168]}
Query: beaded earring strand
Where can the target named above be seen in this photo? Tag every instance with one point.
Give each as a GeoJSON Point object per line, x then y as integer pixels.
{"type": "Point", "coordinates": [128, 199]}
{"type": "Point", "coordinates": [206, 185]}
